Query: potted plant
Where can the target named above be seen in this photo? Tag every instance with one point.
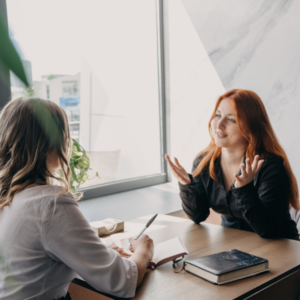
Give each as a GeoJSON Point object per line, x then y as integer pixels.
{"type": "Point", "coordinates": [79, 164]}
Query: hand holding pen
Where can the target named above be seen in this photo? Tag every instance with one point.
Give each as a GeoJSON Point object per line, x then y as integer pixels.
{"type": "Point", "coordinates": [147, 225]}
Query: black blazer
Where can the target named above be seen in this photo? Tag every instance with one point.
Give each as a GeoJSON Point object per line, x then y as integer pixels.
{"type": "Point", "coordinates": [261, 206]}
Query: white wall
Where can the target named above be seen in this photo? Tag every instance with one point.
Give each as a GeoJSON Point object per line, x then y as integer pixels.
{"type": "Point", "coordinates": [214, 46]}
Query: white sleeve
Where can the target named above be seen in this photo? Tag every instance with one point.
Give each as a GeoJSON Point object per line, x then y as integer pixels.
{"type": "Point", "coordinates": [68, 237]}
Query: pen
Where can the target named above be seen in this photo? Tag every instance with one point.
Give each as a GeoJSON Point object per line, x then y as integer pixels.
{"type": "Point", "coordinates": [147, 225]}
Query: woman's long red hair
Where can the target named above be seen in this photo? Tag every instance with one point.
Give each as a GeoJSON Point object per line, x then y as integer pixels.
{"type": "Point", "coordinates": [251, 112]}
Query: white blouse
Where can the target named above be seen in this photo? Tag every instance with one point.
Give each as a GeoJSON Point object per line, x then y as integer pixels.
{"type": "Point", "coordinates": [41, 249]}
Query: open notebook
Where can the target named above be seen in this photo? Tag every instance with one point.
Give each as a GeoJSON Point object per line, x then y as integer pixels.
{"type": "Point", "coordinates": [170, 250]}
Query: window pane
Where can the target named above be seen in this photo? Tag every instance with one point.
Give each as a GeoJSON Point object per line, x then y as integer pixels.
{"type": "Point", "coordinates": [98, 60]}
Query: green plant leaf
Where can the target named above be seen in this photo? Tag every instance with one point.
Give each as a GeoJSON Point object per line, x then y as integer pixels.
{"type": "Point", "coordinates": [79, 165]}
{"type": "Point", "coordinates": [9, 57]}
{"type": "Point", "coordinates": [83, 162]}
{"type": "Point", "coordinates": [48, 122]}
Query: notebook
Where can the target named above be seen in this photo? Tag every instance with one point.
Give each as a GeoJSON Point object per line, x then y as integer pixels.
{"type": "Point", "coordinates": [227, 266]}
{"type": "Point", "coordinates": [170, 250]}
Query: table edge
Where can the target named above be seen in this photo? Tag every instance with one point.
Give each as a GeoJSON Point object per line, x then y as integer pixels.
{"type": "Point", "coordinates": [268, 283]}
{"type": "Point", "coordinates": [84, 284]}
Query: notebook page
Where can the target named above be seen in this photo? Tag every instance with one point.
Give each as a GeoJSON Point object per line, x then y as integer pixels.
{"type": "Point", "coordinates": [167, 249]}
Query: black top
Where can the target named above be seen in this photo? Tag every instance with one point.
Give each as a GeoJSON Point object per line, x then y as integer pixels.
{"type": "Point", "coordinates": [261, 206]}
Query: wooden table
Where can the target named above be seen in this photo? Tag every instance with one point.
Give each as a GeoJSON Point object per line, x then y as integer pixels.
{"type": "Point", "coordinates": [282, 282]}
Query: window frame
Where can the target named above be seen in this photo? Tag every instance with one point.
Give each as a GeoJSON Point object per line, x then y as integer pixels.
{"type": "Point", "coordinates": [132, 183]}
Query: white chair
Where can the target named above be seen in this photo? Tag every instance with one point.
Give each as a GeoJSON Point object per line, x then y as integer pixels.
{"type": "Point", "coordinates": [295, 215]}
{"type": "Point", "coordinates": [105, 163]}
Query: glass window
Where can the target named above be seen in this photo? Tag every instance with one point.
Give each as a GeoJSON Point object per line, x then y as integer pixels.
{"type": "Point", "coordinates": [97, 59]}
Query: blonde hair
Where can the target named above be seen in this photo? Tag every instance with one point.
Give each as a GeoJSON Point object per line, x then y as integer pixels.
{"type": "Point", "coordinates": [30, 129]}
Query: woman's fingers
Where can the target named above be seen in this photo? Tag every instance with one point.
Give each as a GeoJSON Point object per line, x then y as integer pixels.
{"type": "Point", "coordinates": [169, 161]}
{"type": "Point", "coordinates": [177, 163]}
{"type": "Point", "coordinates": [259, 165]}
{"type": "Point", "coordinates": [124, 254]}
{"type": "Point", "coordinates": [248, 171]}
{"type": "Point", "coordinates": [173, 168]}
{"type": "Point", "coordinates": [237, 177]}
{"type": "Point", "coordinates": [167, 157]}
{"type": "Point", "coordinates": [248, 166]}
{"type": "Point", "coordinates": [255, 162]}
{"type": "Point", "coordinates": [178, 171]}
{"type": "Point", "coordinates": [119, 250]}
{"type": "Point", "coordinates": [243, 171]}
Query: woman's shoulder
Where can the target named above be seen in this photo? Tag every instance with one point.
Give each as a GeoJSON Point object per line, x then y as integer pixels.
{"type": "Point", "coordinates": [273, 164]}
{"type": "Point", "coordinates": [46, 190]}
{"type": "Point", "coordinates": [272, 160]}
{"type": "Point", "coordinates": [46, 195]}
{"type": "Point", "coordinates": [54, 200]}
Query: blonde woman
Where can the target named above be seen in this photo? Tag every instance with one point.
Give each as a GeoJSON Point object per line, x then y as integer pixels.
{"type": "Point", "coordinates": [44, 238]}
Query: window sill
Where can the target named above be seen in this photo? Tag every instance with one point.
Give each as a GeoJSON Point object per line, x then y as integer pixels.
{"type": "Point", "coordinates": [161, 199]}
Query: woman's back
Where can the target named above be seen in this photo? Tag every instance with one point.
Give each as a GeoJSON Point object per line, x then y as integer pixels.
{"type": "Point", "coordinates": [25, 261]}
{"type": "Point", "coordinates": [44, 237]}
{"type": "Point", "coordinates": [41, 251]}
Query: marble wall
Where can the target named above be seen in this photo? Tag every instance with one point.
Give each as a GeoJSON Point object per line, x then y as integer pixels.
{"type": "Point", "coordinates": [214, 46]}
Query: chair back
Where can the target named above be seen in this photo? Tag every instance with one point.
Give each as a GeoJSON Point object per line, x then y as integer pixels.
{"type": "Point", "coordinates": [295, 215]}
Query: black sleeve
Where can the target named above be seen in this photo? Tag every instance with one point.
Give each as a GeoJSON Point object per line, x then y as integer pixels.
{"type": "Point", "coordinates": [194, 199]}
{"type": "Point", "coordinates": [264, 206]}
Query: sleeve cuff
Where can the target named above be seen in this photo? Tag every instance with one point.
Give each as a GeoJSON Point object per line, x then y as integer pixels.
{"type": "Point", "coordinates": [186, 187]}
{"type": "Point", "coordinates": [133, 283]}
{"type": "Point", "coordinates": [135, 275]}
{"type": "Point", "coordinates": [245, 195]}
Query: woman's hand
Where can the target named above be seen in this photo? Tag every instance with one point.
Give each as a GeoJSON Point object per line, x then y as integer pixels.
{"type": "Point", "coordinates": [119, 250]}
{"type": "Point", "coordinates": [248, 172]}
{"type": "Point", "coordinates": [178, 171]}
{"type": "Point", "coordinates": [143, 251]}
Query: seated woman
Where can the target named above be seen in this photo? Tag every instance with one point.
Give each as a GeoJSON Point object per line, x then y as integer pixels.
{"type": "Point", "coordinates": [243, 174]}
{"type": "Point", "coordinates": [44, 237]}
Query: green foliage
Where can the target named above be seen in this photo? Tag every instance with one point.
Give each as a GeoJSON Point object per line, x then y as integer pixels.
{"type": "Point", "coordinates": [79, 164]}
{"type": "Point", "coordinates": [9, 57]}
{"type": "Point", "coordinates": [47, 122]}
{"type": "Point", "coordinates": [53, 76]}
{"type": "Point", "coordinates": [29, 92]}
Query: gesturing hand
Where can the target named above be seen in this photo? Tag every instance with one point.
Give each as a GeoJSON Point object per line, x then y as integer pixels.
{"type": "Point", "coordinates": [248, 172]}
{"type": "Point", "coordinates": [178, 171]}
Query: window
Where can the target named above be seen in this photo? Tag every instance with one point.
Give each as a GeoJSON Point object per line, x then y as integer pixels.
{"type": "Point", "coordinates": [101, 64]}
{"type": "Point", "coordinates": [69, 89]}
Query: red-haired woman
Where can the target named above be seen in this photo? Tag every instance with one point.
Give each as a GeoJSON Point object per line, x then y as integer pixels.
{"type": "Point", "coordinates": [243, 174]}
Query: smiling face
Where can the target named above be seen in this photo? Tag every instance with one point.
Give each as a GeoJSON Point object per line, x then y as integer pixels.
{"type": "Point", "coordinates": [225, 129]}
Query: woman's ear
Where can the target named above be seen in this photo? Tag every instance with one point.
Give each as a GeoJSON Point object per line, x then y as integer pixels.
{"type": "Point", "coordinates": [53, 161]}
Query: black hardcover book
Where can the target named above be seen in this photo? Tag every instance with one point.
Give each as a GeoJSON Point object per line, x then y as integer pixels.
{"type": "Point", "coordinates": [226, 266]}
